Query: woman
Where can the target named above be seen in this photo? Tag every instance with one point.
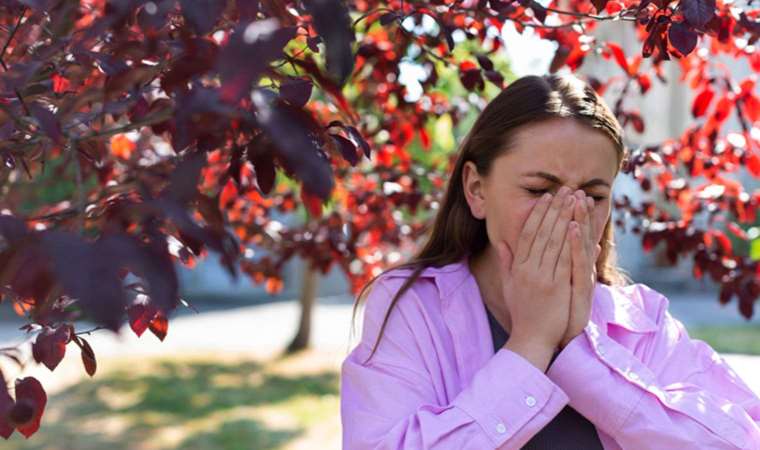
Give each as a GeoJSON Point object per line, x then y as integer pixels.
{"type": "Point", "coordinates": [512, 328]}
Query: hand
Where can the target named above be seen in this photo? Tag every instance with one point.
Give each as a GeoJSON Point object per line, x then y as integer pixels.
{"type": "Point", "coordinates": [536, 279]}
{"type": "Point", "coordinates": [584, 253]}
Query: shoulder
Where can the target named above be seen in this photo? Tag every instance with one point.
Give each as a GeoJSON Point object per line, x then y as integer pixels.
{"type": "Point", "coordinates": [636, 306]}
{"type": "Point", "coordinates": [410, 302]}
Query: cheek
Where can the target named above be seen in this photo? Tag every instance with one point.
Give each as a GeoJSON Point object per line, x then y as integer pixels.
{"type": "Point", "coordinates": [506, 221]}
{"type": "Point", "coordinates": [600, 219]}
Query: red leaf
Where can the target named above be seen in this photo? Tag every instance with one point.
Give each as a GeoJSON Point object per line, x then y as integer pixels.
{"type": "Point", "coordinates": [613, 8]}
{"type": "Point", "coordinates": [30, 405]}
{"type": "Point", "coordinates": [228, 195]}
{"type": "Point", "coordinates": [88, 356]}
{"type": "Point", "coordinates": [637, 121]}
{"type": "Point", "coordinates": [50, 345]}
{"type": "Point", "coordinates": [312, 203]}
{"type": "Point", "coordinates": [425, 138]}
{"type": "Point", "coordinates": [644, 82]}
{"type": "Point", "coordinates": [702, 101]}
{"type": "Point", "coordinates": [140, 316]}
{"type": "Point", "coordinates": [159, 325]}
{"type": "Point", "coordinates": [737, 231]}
{"type": "Point", "coordinates": [753, 164]}
{"type": "Point", "coordinates": [723, 109]}
{"type": "Point", "coordinates": [723, 241]}
{"type": "Point", "coordinates": [60, 83]}
{"type": "Point", "coordinates": [617, 52]}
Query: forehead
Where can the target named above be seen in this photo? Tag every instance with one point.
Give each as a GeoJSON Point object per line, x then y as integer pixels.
{"type": "Point", "coordinates": [564, 147]}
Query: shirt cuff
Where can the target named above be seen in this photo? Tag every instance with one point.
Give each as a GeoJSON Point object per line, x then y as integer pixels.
{"type": "Point", "coordinates": [575, 369]}
{"type": "Point", "coordinates": [507, 394]}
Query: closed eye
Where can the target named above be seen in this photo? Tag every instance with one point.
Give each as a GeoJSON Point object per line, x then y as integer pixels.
{"type": "Point", "coordinates": [537, 192]}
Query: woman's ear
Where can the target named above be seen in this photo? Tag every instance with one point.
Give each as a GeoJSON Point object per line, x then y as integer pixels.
{"type": "Point", "coordinates": [472, 182]}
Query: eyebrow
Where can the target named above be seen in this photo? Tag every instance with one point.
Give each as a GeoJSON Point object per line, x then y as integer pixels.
{"type": "Point", "coordinates": [555, 179]}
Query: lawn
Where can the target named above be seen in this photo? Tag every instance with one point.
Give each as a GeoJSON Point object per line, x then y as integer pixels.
{"type": "Point", "coordinates": [730, 339]}
{"type": "Point", "coordinates": [199, 403]}
{"type": "Point", "coordinates": [226, 402]}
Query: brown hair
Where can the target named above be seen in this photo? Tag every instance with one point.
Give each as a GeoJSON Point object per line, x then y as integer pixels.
{"type": "Point", "coordinates": [530, 99]}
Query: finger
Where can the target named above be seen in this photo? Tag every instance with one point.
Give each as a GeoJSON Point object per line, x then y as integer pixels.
{"type": "Point", "coordinates": [581, 215]}
{"type": "Point", "coordinates": [544, 230]}
{"type": "Point", "coordinates": [528, 232]}
{"type": "Point", "coordinates": [588, 222]}
{"type": "Point", "coordinates": [592, 223]}
{"type": "Point", "coordinates": [579, 264]}
{"type": "Point", "coordinates": [562, 272]}
{"type": "Point", "coordinates": [557, 236]}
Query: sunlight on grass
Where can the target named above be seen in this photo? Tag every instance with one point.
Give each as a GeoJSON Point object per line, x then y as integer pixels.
{"type": "Point", "coordinates": [730, 339]}
{"type": "Point", "coordinates": [195, 404]}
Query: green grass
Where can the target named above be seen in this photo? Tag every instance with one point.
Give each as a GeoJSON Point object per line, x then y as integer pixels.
{"type": "Point", "coordinates": [730, 339]}
{"type": "Point", "coordinates": [172, 404]}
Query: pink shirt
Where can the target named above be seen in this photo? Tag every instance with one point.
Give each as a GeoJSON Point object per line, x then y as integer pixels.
{"type": "Point", "coordinates": [435, 383]}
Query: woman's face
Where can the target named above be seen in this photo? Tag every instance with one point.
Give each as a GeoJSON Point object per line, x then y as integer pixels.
{"type": "Point", "coordinates": [546, 156]}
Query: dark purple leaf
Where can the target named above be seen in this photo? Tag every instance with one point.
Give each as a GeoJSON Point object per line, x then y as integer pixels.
{"type": "Point", "coordinates": [202, 14]}
{"type": "Point", "coordinates": [183, 183]}
{"type": "Point", "coordinates": [50, 345]}
{"type": "Point", "coordinates": [236, 163]}
{"type": "Point", "coordinates": [251, 48]}
{"type": "Point", "coordinates": [388, 17]}
{"type": "Point", "coordinates": [89, 275]}
{"type": "Point", "coordinates": [484, 62]}
{"type": "Point", "coordinates": [359, 139]}
{"type": "Point", "coordinates": [698, 12]}
{"type": "Point", "coordinates": [261, 155]}
{"type": "Point", "coordinates": [12, 229]}
{"type": "Point", "coordinates": [538, 10]}
{"type": "Point", "coordinates": [6, 404]}
{"type": "Point", "coordinates": [347, 149]}
{"type": "Point", "coordinates": [599, 5]}
{"type": "Point", "coordinates": [682, 38]}
{"type": "Point", "coordinates": [30, 405]}
{"type": "Point", "coordinates": [247, 9]}
{"type": "Point", "coordinates": [447, 33]}
{"type": "Point", "coordinates": [312, 42]}
{"type": "Point", "coordinates": [153, 15]}
{"type": "Point", "coordinates": [48, 122]}
{"type": "Point", "coordinates": [88, 356]}
{"type": "Point", "coordinates": [332, 22]}
{"type": "Point", "coordinates": [294, 135]}
{"type": "Point", "coordinates": [296, 92]}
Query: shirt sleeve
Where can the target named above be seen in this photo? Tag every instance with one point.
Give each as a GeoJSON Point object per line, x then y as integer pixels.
{"type": "Point", "coordinates": [390, 402]}
{"type": "Point", "coordinates": [670, 392]}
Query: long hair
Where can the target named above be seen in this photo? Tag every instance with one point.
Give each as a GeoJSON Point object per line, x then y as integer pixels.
{"type": "Point", "coordinates": [455, 232]}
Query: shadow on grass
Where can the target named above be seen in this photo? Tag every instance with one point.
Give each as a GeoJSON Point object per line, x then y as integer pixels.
{"type": "Point", "coordinates": [172, 405]}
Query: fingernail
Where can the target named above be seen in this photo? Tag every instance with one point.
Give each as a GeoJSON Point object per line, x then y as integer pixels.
{"type": "Point", "coordinates": [570, 200]}
{"type": "Point", "coordinates": [564, 190]}
{"type": "Point", "coordinates": [590, 202]}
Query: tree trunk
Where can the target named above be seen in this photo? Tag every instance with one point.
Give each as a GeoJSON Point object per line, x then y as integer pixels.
{"type": "Point", "coordinates": [308, 294]}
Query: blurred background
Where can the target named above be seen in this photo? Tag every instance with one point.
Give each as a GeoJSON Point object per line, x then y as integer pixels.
{"type": "Point", "coordinates": [221, 379]}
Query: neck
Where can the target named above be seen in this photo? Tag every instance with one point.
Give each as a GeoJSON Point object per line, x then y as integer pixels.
{"type": "Point", "coordinates": [485, 267]}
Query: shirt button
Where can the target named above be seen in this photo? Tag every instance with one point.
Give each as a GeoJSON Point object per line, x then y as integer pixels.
{"type": "Point", "coordinates": [634, 376]}
{"type": "Point", "coordinates": [501, 429]}
{"type": "Point", "coordinates": [530, 401]}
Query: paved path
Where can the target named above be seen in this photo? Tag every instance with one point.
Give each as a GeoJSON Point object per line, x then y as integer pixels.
{"type": "Point", "coordinates": [261, 330]}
